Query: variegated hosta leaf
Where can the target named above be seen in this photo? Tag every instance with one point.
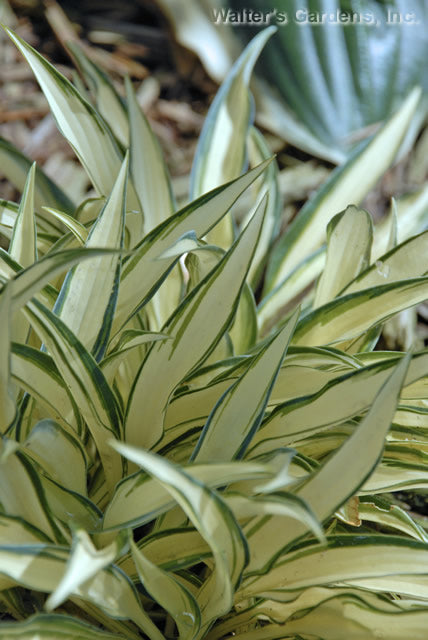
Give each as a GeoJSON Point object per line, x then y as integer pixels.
{"type": "Point", "coordinates": [330, 614]}
{"type": "Point", "coordinates": [88, 296]}
{"type": "Point", "coordinates": [354, 313]}
{"type": "Point", "coordinates": [15, 166]}
{"type": "Point", "coordinates": [138, 499]}
{"type": "Point", "coordinates": [342, 398]}
{"type": "Point", "coordinates": [59, 453]}
{"type": "Point", "coordinates": [349, 239]}
{"type": "Point", "coordinates": [344, 558]}
{"type": "Point", "coordinates": [356, 177]}
{"type": "Point", "coordinates": [195, 328]}
{"type": "Point", "coordinates": [143, 271]}
{"type": "Point", "coordinates": [244, 404]}
{"type": "Point", "coordinates": [78, 121]}
{"type": "Point", "coordinates": [18, 480]}
{"type": "Point", "coordinates": [7, 404]}
{"type": "Point", "coordinates": [34, 371]}
{"type": "Point", "coordinates": [353, 464]}
{"type": "Point", "coordinates": [170, 594]}
{"type": "Point", "coordinates": [214, 521]}
{"type": "Point", "coordinates": [109, 103]}
{"type": "Point", "coordinates": [84, 563]}
{"type": "Point", "coordinates": [41, 568]}
{"type": "Point", "coordinates": [86, 382]}
{"type": "Point", "coordinates": [23, 247]}
{"type": "Point", "coordinates": [153, 186]}
{"type": "Point", "coordinates": [78, 230]}
{"type": "Point", "coordinates": [221, 151]}
{"type": "Point", "coordinates": [49, 626]}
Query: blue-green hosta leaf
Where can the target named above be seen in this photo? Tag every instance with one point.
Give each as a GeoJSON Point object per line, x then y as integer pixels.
{"type": "Point", "coordinates": [7, 404]}
{"type": "Point", "coordinates": [353, 463]}
{"type": "Point", "coordinates": [214, 521]}
{"type": "Point", "coordinates": [88, 296]}
{"type": "Point", "coordinates": [349, 239]}
{"type": "Point", "coordinates": [354, 313]}
{"type": "Point", "coordinates": [195, 328]}
{"type": "Point", "coordinates": [169, 593]}
{"type": "Point", "coordinates": [86, 382]}
{"type": "Point", "coordinates": [221, 151]}
{"type": "Point", "coordinates": [244, 404]}
{"type": "Point", "coordinates": [356, 177]}
{"type": "Point", "coordinates": [143, 272]}
{"type": "Point", "coordinates": [77, 120]}
{"type": "Point", "coordinates": [51, 626]}
{"type": "Point", "coordinates": [15, 166]}
{"type": "Point", "coordinates": [109, 104]}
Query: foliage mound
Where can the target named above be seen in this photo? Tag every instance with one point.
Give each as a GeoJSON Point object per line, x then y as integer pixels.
{"type": "Point", "coordinates": [177, 461]}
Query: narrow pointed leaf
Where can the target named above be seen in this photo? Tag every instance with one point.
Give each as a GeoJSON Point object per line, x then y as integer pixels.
{"type": "Point", "coordinates": [221, 150]}
{"type": "Point", "coordinates": [88, 296]}
{"type": "Point", "coordinates": [243, 404]}
{"type": "Point", "coordinates": [195, 329]}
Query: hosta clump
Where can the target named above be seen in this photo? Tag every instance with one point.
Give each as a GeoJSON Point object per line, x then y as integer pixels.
{"type": "Point", "coordinates": [175, 462]}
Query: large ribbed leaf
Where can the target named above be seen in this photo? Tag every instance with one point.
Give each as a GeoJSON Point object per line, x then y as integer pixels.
{"type": "Point", "coordinates": [195, 329]}
{"type": "Point", "coordinates": [338, 65]}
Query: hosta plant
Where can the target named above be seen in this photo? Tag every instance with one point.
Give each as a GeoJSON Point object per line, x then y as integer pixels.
{"type": "Point", "coordinates": [177, 461]}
